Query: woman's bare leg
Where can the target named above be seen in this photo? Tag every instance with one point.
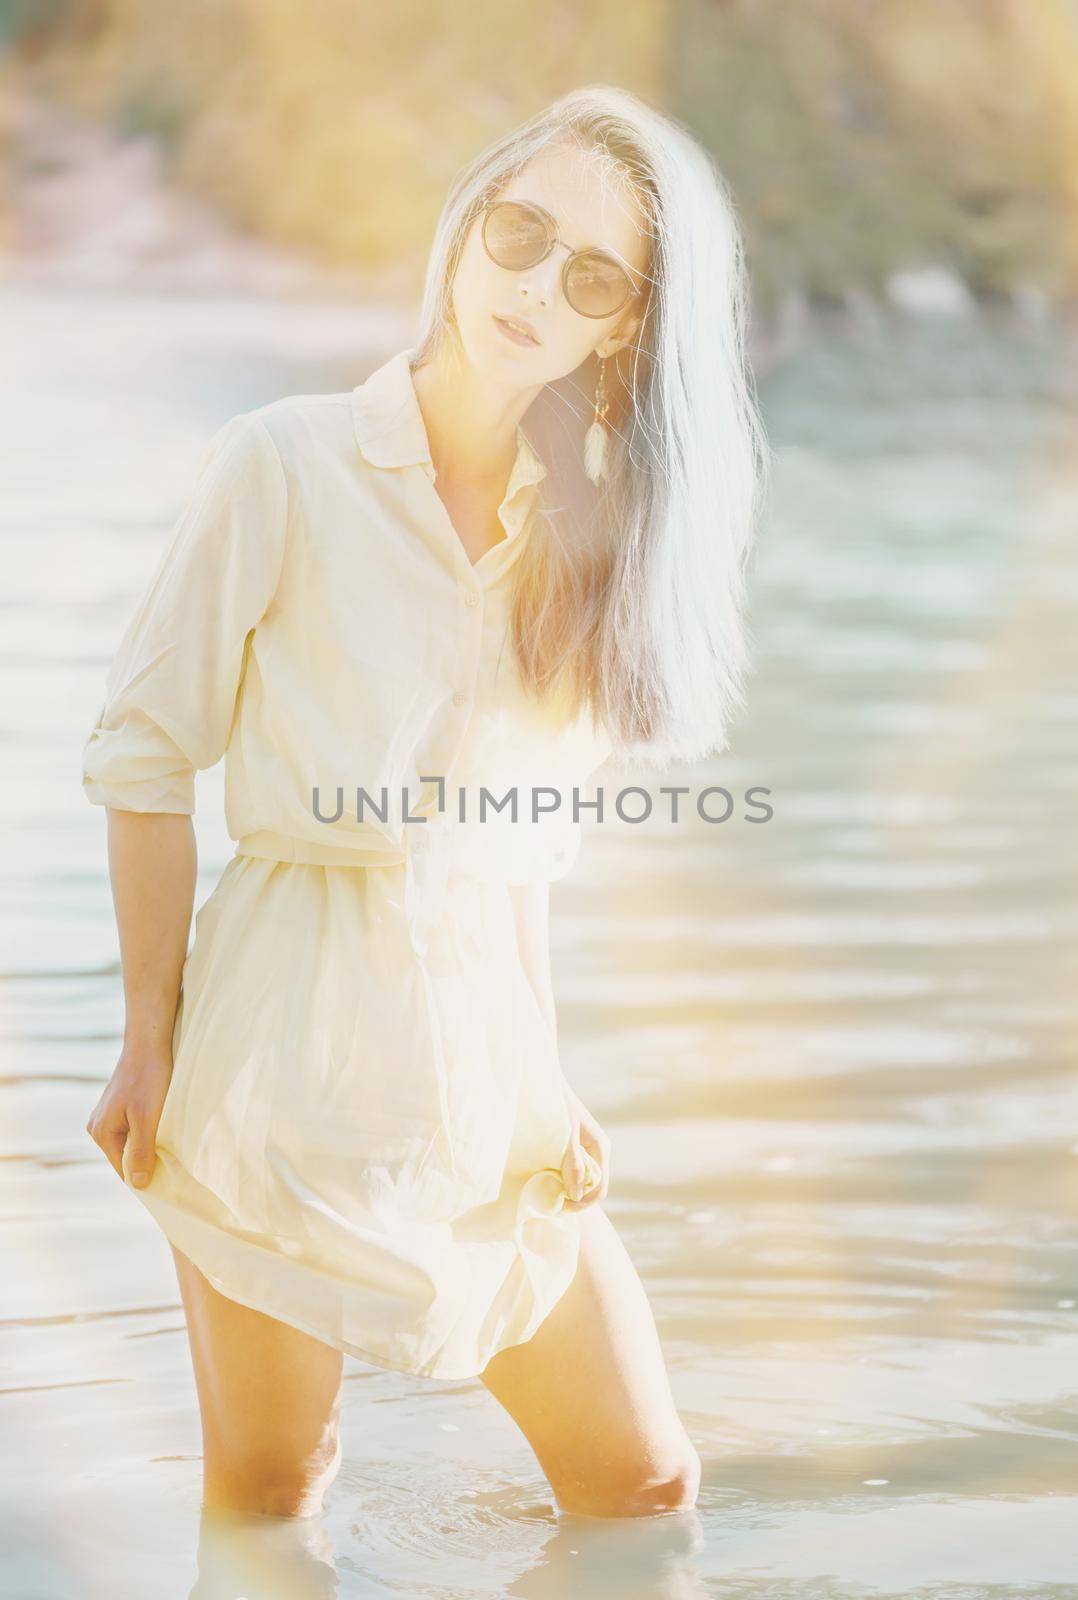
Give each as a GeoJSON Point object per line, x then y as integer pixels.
{"type": "Point", "coordinates": [590, 1391]}
{"type": "Point", "coordinates": [270, 1401]}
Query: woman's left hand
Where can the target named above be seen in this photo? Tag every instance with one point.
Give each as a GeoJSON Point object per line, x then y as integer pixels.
{"type": "Point", "coordinates": [585, 1168]}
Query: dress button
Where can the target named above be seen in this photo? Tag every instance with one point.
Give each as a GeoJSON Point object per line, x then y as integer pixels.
{"type": "Point", "coordinates": [471, 598]}
{"type": "Point", "coordinates": [459, 699]}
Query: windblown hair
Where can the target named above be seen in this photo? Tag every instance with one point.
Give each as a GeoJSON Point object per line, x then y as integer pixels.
{"type": "Point", "coordinates": [630, 598]}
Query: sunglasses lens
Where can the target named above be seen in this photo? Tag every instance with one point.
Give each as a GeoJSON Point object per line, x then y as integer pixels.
{"type": "Point", "coordinates": [596, 286]}
{"type": "Point", "coordinates": [514, 235]}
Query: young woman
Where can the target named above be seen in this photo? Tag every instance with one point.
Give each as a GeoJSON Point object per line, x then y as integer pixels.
{"type": "Point", "coordinates": [344, 1106]}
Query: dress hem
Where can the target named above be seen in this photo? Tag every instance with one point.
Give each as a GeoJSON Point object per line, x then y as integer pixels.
{"type": "Point", "coordinates": [177, 1225]}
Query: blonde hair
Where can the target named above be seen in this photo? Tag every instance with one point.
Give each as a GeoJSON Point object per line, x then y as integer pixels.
{"type": "Point", "coordinates": [630, 598]}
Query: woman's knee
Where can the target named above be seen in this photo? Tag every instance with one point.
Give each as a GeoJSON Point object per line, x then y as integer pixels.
{"type": "Point", "coordinates": [269, 1482]}
{"type": "Point", "coordinates": [646, 1489]}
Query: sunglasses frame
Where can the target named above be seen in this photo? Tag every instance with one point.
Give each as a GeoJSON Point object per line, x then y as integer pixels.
{"type": "Point", "coordinates": [553, 239]}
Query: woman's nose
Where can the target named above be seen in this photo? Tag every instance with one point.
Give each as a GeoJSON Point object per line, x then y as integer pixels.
{"type": "Point", "coordinates": [539, 286]}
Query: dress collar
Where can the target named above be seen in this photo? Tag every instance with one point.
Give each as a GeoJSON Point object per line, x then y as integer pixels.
{"type": "Point", "coordinates": [390, 430]}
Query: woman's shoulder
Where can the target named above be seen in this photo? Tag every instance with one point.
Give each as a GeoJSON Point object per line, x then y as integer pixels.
{"type": "Point", "coordinates": [304, 427]}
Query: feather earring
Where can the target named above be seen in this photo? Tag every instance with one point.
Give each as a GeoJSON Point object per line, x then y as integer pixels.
{"type": "Point", "coordinates": [595, 438]}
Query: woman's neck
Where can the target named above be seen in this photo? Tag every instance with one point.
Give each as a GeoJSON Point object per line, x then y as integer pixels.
{"type": "Point", "coordinates": [471, 424]}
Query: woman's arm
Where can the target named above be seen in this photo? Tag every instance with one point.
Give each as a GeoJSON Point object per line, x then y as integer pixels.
{"type": "Point", "coordinates": [170, 693]}
{"type": "Point", "coordinates": [170, 703]}
{"type": "Point", "coordinates": [152, 866]}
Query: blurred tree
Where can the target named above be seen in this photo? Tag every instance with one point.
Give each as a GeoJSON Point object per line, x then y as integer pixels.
{"type": "Point", "coordinates": [861, 136]}
{"type": "Point", "coordinates": [858, 136]}
{"type": "Point", "coordinates": [337, 126]}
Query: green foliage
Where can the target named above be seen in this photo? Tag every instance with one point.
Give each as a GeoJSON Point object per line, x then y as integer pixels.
{"type": "Point", "coordinates": [858, 137]}
{"type": "Point", "coordinates": [20, 19]}
{"type": "Point", "coordinates": [862, 139]}
{"type": "Point", "coordinates": [156, 111]}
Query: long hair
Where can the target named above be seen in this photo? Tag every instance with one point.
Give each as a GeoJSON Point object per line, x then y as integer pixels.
{"type": "Point", "coordinates": [630, 598]}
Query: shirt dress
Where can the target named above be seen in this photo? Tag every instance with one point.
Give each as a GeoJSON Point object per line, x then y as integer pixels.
{"type": "Point", "coordinates": [366, 1120]}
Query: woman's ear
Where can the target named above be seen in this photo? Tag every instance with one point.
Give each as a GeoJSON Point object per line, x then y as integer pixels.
{"type": "Point", "coordinates": [621, 340]}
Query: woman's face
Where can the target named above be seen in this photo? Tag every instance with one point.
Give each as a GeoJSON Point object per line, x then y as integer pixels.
{"type": "Point", "coordinates": [592, 211]}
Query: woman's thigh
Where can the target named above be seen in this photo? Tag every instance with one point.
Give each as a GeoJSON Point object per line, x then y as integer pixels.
{"type": "Point", "coordinates": [590, 1391]}
{"type": "Point", "coordinates": [270, 1402]}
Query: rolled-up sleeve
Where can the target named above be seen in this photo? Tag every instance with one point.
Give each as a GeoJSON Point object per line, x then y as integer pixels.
{"type": "Point", "coordinates": [170, 693]}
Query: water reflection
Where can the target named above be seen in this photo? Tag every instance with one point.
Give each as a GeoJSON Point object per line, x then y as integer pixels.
{"type": "Point", "coordinates": [271, 1558]}
{"type": "Point", "coordinates": [280, 1558]}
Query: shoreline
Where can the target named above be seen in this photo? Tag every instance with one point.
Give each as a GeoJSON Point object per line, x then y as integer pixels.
{"type": "Point", "coordinates": [97, 214]}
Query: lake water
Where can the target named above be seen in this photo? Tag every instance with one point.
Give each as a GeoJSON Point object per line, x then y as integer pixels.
{"type": "Point", "coordinates": [835, 1052]}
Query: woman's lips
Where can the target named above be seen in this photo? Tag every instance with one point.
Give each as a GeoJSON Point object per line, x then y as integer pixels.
{"type": "Point", "coordinates": [512, 333]}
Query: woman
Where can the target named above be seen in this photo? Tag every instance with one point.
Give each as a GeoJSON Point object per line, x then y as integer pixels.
{"type": "Point", "coordinates": [344, 1106]}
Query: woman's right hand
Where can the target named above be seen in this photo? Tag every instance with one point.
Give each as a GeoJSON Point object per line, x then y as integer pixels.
{"type": "Point", "coordinates": [130, 1109]}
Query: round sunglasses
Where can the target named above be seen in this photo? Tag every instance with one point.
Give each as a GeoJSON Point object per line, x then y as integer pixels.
{"type": "Point", "coordinates": [518, 234]}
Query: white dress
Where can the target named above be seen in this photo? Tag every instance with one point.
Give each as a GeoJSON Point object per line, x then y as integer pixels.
{"type": "Point", "coordinates": [366, 1120]}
